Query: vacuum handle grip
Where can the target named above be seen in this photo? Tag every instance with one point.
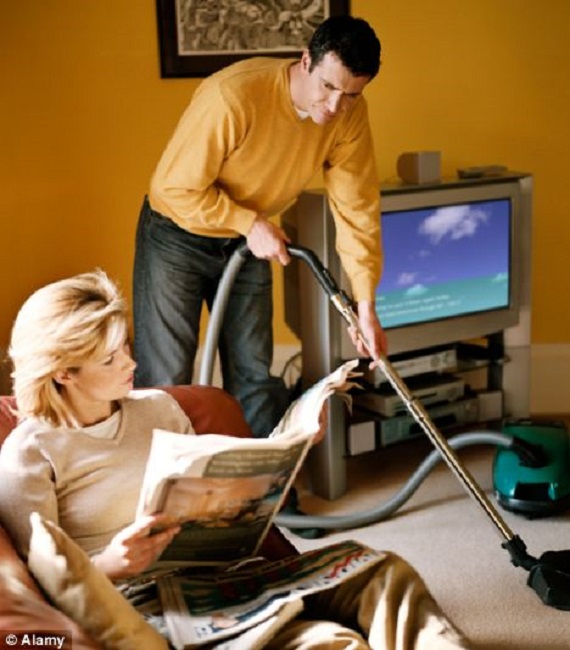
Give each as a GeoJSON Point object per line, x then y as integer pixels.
{"type": "Point", "coordinates": [322, 274]}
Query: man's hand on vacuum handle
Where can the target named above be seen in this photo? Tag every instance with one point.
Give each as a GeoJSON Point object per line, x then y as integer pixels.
{"type": "Point", "coordinates": [372, 331]}
{"type": "Point", "coordinates": [268, 241]}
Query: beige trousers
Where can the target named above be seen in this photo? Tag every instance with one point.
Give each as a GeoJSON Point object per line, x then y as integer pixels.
{"type": "Point", "coordinates": [387, 607]}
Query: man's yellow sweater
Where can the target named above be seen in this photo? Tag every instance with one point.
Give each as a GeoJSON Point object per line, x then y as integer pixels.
{"type": "Point", "coordinates": [241, 149]}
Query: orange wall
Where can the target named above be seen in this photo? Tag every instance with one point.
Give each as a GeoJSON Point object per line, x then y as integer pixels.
{"type": "Point", "coordinates": [85, 116]}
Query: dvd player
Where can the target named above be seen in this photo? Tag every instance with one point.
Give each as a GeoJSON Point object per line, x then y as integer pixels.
{"type": "Point", "coordinates": [404, 427]}
{"type": "Point", "coordinates": [430, 389]}
{"type": "Point", "coordinates": [418, 363]}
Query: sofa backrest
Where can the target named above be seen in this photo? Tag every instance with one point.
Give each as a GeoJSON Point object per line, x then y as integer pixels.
{"type": "Point", "coordinates": [210, 409]}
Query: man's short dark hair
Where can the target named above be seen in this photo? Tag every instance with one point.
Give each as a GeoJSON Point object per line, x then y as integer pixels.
{"type": "Point", "coordinates": [352, 40]}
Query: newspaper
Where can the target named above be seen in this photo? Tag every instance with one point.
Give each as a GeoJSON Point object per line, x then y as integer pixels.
{"type": "Point", "coordinates": [244, 607]}
{"type": "Point", "coordinates": [226, 491]}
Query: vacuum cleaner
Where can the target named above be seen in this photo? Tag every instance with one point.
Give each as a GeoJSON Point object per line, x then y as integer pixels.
{"type": "Point", "coordinates": [519, 455]}
{"type": "Point", "coordinates": [537, 485]}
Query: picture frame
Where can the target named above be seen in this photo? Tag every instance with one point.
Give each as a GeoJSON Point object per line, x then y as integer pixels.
{"type": "Point", "coordinates": [199, 37]}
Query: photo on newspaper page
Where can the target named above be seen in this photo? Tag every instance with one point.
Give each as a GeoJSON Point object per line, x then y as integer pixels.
{"type": "Point", "coordinates": [226, 499]}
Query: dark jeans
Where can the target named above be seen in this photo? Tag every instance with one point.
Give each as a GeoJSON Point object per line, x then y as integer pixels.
{"type": "Point", "coordinates": [175, 272]}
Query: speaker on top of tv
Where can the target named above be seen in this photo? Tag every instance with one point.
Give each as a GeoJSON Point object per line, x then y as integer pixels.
{"type": "Point", "coordinates": [419, 167]}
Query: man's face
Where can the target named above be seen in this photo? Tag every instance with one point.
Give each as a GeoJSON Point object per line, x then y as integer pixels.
{"type": "Point", "coordinates": [329, 89]}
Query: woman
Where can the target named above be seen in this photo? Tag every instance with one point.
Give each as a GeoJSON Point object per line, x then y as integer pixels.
{"type": "Point", "coordinates": [79, 453]}
{"type": "Point", "coordinates": [84, 436]}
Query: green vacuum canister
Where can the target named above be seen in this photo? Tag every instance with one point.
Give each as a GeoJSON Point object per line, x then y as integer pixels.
{"type": "Point", "coordinates": [537, 485]}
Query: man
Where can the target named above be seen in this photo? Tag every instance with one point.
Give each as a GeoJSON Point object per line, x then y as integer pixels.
{"type": "Point", "coordinates": [252, 138]}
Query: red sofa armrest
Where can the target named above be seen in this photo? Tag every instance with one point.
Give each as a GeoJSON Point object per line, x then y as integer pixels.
{"type": "Point", "coordinates": [8, 419]}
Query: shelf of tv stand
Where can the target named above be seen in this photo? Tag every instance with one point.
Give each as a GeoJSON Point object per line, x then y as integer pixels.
{"type": "Point", "coordinates": [453, 412]}
{"type": "Point", "coordinates": [493, 372]}
{"type": "Point", "coordinates": [446, 426]}
{"type": "Point", "coordinates": [471, 356]}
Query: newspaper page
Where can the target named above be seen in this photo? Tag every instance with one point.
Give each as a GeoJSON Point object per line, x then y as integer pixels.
{"type": "Point", "coordinates": [223, 606]}
{"type": "Point", "coordinates": [226, 491]}
{"type": "Point", "coordinates": [304, 412]}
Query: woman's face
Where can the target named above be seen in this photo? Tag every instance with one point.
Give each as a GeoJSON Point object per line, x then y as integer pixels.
{"type": "Point", "coordinates": [92, 388]}
{"type": "Point", "coordinates": [109, 378]}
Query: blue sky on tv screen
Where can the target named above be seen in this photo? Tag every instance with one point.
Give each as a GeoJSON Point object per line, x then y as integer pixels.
{"type": "Point", "coordinates": [445, 261]}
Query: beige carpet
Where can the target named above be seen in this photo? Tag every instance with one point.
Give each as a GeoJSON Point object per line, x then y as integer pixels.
{"type": "Point", "coordinates": [446, 535]}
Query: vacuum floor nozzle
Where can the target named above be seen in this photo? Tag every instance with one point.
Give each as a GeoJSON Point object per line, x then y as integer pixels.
{"type": "Point", "coordinates": [550, 579]}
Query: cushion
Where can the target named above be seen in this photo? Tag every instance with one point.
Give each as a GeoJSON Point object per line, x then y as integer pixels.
{"type": "Point", "coordinates": [84, 593]}
{"type": "Point", "coordinates": [23, 607]}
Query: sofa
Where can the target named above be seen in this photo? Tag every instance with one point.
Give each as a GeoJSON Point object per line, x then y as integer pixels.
{"type": "Point", "coordinates": [23, 607]}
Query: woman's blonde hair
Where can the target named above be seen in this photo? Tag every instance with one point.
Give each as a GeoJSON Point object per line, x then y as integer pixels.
{"type": "Point", "coordinates": [60, 327]}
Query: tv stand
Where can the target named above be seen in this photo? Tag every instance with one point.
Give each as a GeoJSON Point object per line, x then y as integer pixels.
{"type": "Point", "coordinates": [496, 386]}
{"type": "Point", "coordinates": [502, 357]}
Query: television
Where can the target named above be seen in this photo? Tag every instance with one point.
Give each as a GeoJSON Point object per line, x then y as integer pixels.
{"type": "Point", "coordinates": [452, 264]}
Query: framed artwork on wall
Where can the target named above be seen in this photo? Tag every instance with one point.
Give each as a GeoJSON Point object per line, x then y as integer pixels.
{"type": "Point", "coordinates": [198, 37]}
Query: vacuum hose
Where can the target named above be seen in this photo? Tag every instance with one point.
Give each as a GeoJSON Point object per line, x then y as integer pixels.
{"type": "Point", "coordinates": [223, 293]}
{"type": "Point", "coordinates": [387, 508]}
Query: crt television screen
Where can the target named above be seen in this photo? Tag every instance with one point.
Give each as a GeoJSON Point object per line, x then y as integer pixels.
{"type": "Point", "coordinates": [444, 262]}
